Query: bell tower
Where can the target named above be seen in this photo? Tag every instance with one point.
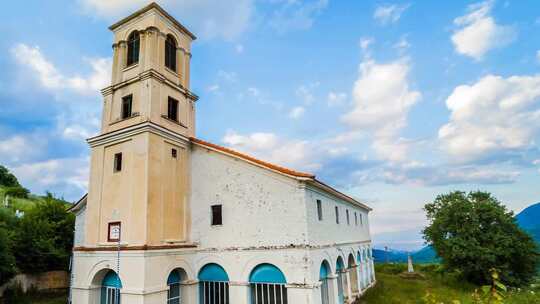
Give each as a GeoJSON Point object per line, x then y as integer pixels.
{"type": "Point", "coordinates": [139, 181]}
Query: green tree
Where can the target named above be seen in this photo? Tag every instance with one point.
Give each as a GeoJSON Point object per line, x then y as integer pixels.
{"type": "Point", "coordinates": [7, 179]}
{"type": "Point", "coordinates": [44, 237]}
{"type": "Point", "coordinates": [474, 233]}
{"type": "Point", "coordinates": [7, 260]}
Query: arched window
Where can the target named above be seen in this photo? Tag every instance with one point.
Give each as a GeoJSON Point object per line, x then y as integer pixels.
{"type": "Point", "coordinates": [133, 44]}
{"type": "Point", "coordinates": [340, 271]}
{"type": "Point", "coordinates": [110, 288]}
{"type": "Point", "coordinates": [353, 273]}
{"type": "Point", "coordinates": [267, 285]}
{"type": "Point", "coordinates": [174, 295]}
{"type": "Point", "coordinates": [213, 285]}
{"type": "Point", "coordinates": [323, 277]}
{"type": "Point", "coordinates": [170, 53]}
{"type": "Point", "coordinates": [360, 269]}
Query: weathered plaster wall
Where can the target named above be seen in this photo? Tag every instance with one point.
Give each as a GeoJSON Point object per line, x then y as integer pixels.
{"type": "Point", "coordinates": [80, 217]}
{"type": "Point", "coordinates": [260, 208]}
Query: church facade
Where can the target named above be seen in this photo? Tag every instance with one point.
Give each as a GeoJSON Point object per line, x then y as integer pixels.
{"type": "Point", "coordinates": [170, 218]}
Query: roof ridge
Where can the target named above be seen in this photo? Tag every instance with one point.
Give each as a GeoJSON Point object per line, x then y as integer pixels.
{"type": "Point", "coordinates": [253, 159]}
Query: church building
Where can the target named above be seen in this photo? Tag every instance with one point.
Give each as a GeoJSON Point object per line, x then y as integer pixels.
{"type": "Point", "coordinates": [170, 218]}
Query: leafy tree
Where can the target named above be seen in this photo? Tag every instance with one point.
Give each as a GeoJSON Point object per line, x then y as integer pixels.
{"type": "Point", "coordinates": [17, 192]}
{"type": "Point", "coordinates": [7, 260]}
{"type": "Point", "coordinates": [474, 233]}
{"type": "Point", "coordinates": [7, 179]}
{"type": "Point", "coordinates": [44, 237]}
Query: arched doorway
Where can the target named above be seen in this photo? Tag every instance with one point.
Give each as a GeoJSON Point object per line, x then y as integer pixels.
{"type": "Point", "coordinates": [174, 293]}
{"type": "Point", "coordinates": [341, 279]}
{"type": "Point", "coordinates": [267, 284]}
{"type": "Point", "coordinates": [323, 277]}
{"type": "Point", "coordinates": [213, 285]}
{"type": "Point", "coordinates": [360, 269]}
{"type": "Point", "coordinates": [110, 288]}
{"type": "Point", "coordinates": [353, 273]}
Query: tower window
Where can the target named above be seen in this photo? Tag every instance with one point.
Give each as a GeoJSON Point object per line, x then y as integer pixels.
{"type": "Point", "coordinates": [127, 104]}
{"type": "Point", "coordinates": [337, 215]}
{"type": "Point", "coordinates": [133, 44]}
{"type": "Point", "coordinates": [217, 218]}
{"type": "Point", "coordinates": [355, 219]}
{"type": "Point", "coordinates": [118, 162]}
{"type": "Point", "coordinates": [319, 210]}
{"type": "Point", "coordinates": [172, 109]}
{"type": "Point", "coordinates": [348, 220]}
{"type": "Point", "coordinates": [170, 53]}
{"type": "Point", "coordinates": [174, 153]}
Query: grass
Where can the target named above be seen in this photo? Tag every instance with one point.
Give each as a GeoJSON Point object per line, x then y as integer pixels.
{"type": "Point", "coordinates": [56, 297]}
{"type": "Point", "coordinates": [391, 288]}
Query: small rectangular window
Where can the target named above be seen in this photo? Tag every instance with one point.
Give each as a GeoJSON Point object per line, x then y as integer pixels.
{"type": "Point", "coordinates": [127, 104]}
{"type": "Point", "coordinates": [172, 109]}
{"type": "Point", "coordinates": [319, 210]}
{"type": "Point", "coordinates": [355, 219]}
{"type": "Point", "coordinates": [216, 215]}
{"type": "Point", "coordinates": [174, 153]}
{"type": "Point", "coordinates": [348, 219]}
{"type": "Point", "coordinates": [118, 162]}
{"type": "Point", "coordinates": [361, 220]}
{"type": "Point", "coordinates": [337, 215]}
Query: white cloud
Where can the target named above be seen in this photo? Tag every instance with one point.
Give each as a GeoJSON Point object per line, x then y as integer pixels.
{"type": "Point", "coordinates": [295, 154]}
{"type": "Point", "coordinates": [365, 42]}
{"type": "Point", "coordinates": [305, 92]}
{"type": "Point", "coordinates": [403, 44]}
{"type": "Point", "coordinates": [296, 15]}
{"type": "Point", "coordinates": [538, 56]}
{"type": "Point", "coordinates": [51, 78]}
{"type": "Point", "coordinates": [382, 99]}
{"type": "Point", "coordinates": [478, 33]}
{"type": "Point", "coordinates": [386, 14]}
{"type": "Point", "coordinates": [239, 48]}
{"type": "Point", "coordinates": [225, 19]}
{"type": "Point", "coordinates": [15, 148]}
{"type": "Point", "coordinates": [493, 115]}
{"type": "Point", "coordinates": [254, 92]}
{"type": "Point", "coordinates": [227, 76]}
{"type": "Point", "coordinates": [296, 112]}
{"type": "Point", "coordinates": [68, 175]}
{"type": "Point", "coordinates": [336, 98]}
{"type": "Point", "coordinates": [213, 88]}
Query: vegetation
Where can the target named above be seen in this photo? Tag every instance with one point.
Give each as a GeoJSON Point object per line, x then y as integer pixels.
{"type": "Point", "coordinates": [36, 232]}
{"type": "Point", "coordinates": [438, 286]}
{"type": "Point", "coordinates": [474, 234]}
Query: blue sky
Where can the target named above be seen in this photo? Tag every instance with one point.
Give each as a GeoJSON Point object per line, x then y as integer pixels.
{"type": "Point", "coordinates": [391, 101]}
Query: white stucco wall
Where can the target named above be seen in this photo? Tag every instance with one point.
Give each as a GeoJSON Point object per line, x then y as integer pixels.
{"type": "Point", "coordinates": [78, 239]}
{"type": "Point", "coordinates": [260, 208]}
{"type": "Point", "coordinates": [326, 231]}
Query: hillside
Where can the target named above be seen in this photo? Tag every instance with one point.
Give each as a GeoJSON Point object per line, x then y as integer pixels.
{"type": "Point", "coordinates": [529, 220]}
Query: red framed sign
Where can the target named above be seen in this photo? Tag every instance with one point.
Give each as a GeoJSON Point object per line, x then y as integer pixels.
{"type": "Point", "coordinates": [114, 232]}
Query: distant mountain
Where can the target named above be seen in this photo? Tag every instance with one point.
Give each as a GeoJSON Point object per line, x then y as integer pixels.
{"type": "Point", "coordinates": [529, 220]}
{"type": "Point", "coordinates": [425, 255]}
{"type": "Point", "coordinates": [392, 256]}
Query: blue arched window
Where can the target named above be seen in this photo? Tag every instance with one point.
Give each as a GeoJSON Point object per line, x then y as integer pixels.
{"type": "Point", "coordinates": [110, 288]}
{"type": "Point", "coordinates": [340, 271]}
{"type": "Point", "coordinates": [213, 285]}
{"type": "Point", "coordinates": [323, 277]}
{"type": "Point", "coordinates": [268, 285]}
{"type": "Point", "coordinates": [173, 282]}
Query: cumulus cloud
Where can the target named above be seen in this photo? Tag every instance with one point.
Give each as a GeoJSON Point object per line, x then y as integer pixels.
{"type": "Point", "coordinates": [295, 154]}
{"type": "Point", "coordinates": [225, 19]}
{"type": "Point", "coordinates": [477, 32]}
{"type": "Point", "coordinates": [69, 176]}
{"type": "Point", "coordinates": [386, 14]}
{"type": "Point", "coordinates": [382, 99]}
{"type": "Point", "coordinates": [492, 116]}
{"type": "Point", "coordinates": [297, 112]}
{"type": "Point", "coordinates": [51, 78]}
{"type": "Point", "coordinates": [296, 15]}
{"type": "Point", "coordinates": [16, 148]}
{"type": "Point", "coordinates": [336, 98]}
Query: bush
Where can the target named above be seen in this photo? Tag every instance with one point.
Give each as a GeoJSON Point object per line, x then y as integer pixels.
{"type": "Point", "coordinates": [17, 192]}
{"type": "Point", "coordinates": [474, 233]}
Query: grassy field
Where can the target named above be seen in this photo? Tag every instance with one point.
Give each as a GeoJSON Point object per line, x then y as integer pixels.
{"type": "Point", "coordinates": [391, 288]}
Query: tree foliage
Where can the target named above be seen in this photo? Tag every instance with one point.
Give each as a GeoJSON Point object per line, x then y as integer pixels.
{"type": "Point", "coordinates": [44, 237]}
{"type": "Point", "coordinates": [7, 179]}
{"type": "Point", "coordinates": [474, 233]}
{"type": "Point", "coordinates": [7, 260]}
